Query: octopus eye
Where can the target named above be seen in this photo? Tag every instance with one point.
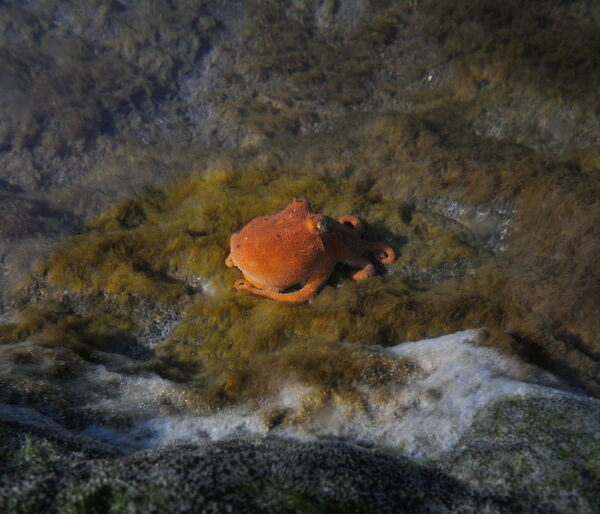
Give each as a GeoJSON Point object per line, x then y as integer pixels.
{"type": "Point", "coordinates": [321, 225]}
{"type": "Point", "coordinates": [316, 223]}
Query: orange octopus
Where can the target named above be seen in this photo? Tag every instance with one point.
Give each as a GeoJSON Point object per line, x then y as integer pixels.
{"type": "Point", "coordinates": [297, 247]}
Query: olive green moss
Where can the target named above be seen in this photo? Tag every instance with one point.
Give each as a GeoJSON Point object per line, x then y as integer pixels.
{"type": "Point", "coordinates": [164, 252]}
{"type": "Point", "coordinates": [161, 254]}
{"type": "Point", "coordinates": [543, 450]}
{"type": "Point", "coordinates": [167, 249]}
{"type": "Point", "coordinates": [505, 69]}
{"type": "Point", "coordinates": [555, 56]}
{"type": "Point", "coordinates": [333, 68]}
{"type": "Point", "coordinates": [22, 453]}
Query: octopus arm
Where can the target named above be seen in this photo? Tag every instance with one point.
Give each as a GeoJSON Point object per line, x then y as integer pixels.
{"type": "Point", "coordinates": [350, 257]}
{"type": "Point", "coordinates": [383, 253]}
{"type": "Point", "coordinates": [312, 286]}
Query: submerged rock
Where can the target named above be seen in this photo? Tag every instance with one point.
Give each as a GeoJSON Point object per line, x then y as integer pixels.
{"type": "Point", "coordinates": [136, 137]}
{"type": "Point", "coordinates": [473, 430]}
{"type": "Point", "coordinates": [535, 455]}
{"type": "Point", "coordinates": [544, 451]}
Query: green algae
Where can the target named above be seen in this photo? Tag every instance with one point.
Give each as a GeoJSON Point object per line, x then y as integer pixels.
{"type": "Point", "coordinates": [22, 453]}
{"type": "Point", "coordinates": [543, 450]}
{"type": "Point", "coordinates": [166, 250]}
{"type": "Point", "coordinates": [555, 55]}
{"type": "Point", "coordinates": [162, 253]}
{"type": "Point", "coordinates": [116, 496]}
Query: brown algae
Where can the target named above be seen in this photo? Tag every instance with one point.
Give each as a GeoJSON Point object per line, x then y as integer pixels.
{"type": "Point", "coordinates": [166, 250]}
{"type": "Point", "coordinates": [161, 256]}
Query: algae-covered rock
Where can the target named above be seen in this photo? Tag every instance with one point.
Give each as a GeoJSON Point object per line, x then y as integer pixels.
{"type": "Point", "coordinates": [521, 454]}
{"type": "Point", "coordinates": [544, 451]}
{"type": "Point", "coordinates": [267, 475]}
{"type": "Point", "coordinates": [137, 136]}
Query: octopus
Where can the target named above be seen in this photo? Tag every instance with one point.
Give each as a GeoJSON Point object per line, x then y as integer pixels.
{"type": "Point", "coordinates": [290, 255]}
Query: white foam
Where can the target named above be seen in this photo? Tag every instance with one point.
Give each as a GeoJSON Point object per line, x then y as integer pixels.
{"type": "Point", "coordinates": [459, 378]}
{"type": "Point", "coordinates": [422, 418]}
{"type": "Point", "coordinates": [456, 378]}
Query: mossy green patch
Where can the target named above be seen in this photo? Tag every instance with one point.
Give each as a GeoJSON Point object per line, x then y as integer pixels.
{"type": "Point", "coordinates": [164, 251]}
{"type": "Point", "coordinates": [519, 446]}
{"type": "Point", "coordinates": [21, 453]}
{"type": "Point", "coordinates": [114, 497]}
{"type": "Point", "coordinates": [555, 55]}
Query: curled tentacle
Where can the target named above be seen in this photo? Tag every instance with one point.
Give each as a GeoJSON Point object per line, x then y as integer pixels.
{"type": "Point", "coordinates": [242, 285]}
{"type": "Point", "coordinates": [356, 224]}
{"type": "Point", "coordinates": [305, 294]}
{"type": "Point", "coordinates": [382, 252]}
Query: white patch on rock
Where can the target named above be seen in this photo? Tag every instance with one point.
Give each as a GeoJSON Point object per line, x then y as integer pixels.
{"type": "Point", "coordinates": [422, 418]}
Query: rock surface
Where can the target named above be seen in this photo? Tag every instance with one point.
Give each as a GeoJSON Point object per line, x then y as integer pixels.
{"type": "Point", "coordinates": [136, 136]}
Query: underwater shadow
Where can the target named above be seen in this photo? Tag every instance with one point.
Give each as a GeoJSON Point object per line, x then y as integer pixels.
{"type": "Point", "coordinates": [120, 343]}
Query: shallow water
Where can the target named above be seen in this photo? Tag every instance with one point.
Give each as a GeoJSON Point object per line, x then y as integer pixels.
{"type": "Point", "coordinates": [136, 138]}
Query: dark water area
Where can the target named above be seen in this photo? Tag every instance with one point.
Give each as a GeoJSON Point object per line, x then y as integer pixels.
{"type": "Point", "coordinates": [136, 137]}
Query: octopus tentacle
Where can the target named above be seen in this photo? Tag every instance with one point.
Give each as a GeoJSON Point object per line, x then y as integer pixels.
{"type": "Point", "coordinates": [309, 290]}
{"type": "Point", "coordinates": [382, 252]}
{"type": "Point", "coordinates": [357, 225]}
{"type": "Point", "coordinates": [350, 257]}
